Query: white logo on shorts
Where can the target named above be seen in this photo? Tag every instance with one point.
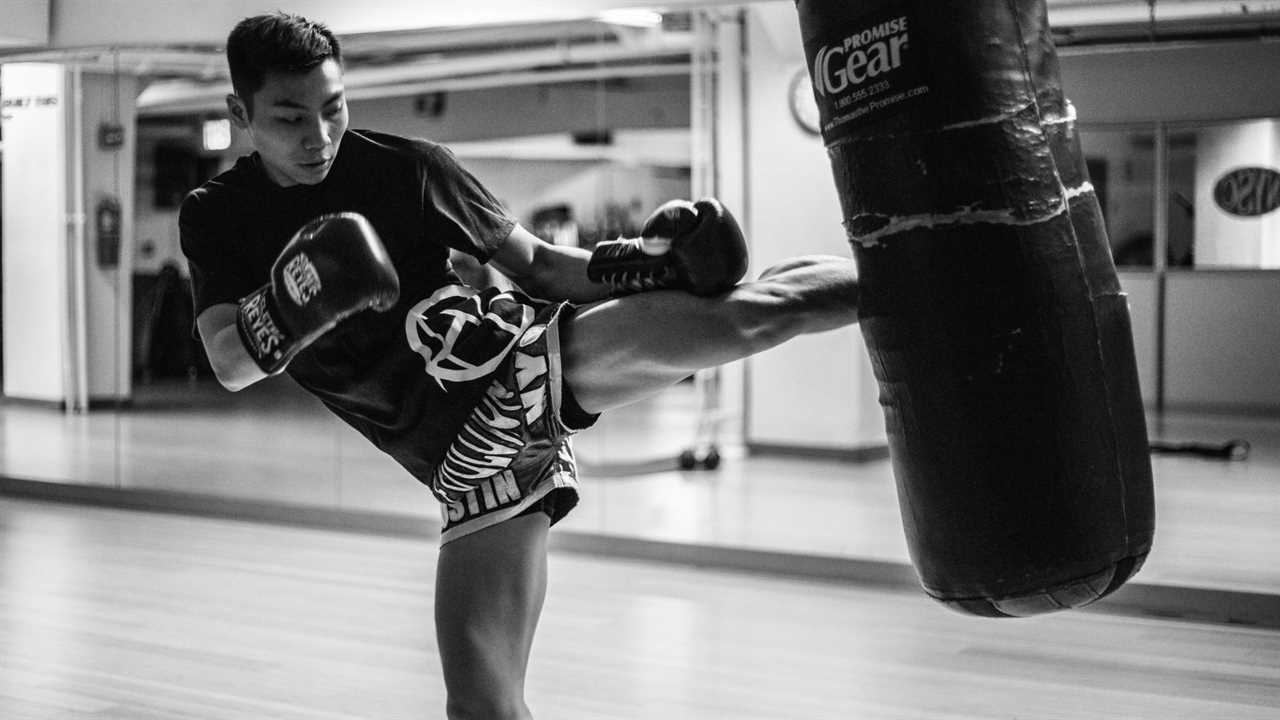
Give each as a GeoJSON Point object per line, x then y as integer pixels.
{"type": "Point", "coordinates": [435, 333]}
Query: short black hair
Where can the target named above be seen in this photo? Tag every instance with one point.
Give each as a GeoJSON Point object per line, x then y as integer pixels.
{"type": "Point", "coordinates": [276, 41]}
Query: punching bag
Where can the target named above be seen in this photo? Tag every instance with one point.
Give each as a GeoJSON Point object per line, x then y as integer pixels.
{"type": "Point", "coordinates": [989, 301]}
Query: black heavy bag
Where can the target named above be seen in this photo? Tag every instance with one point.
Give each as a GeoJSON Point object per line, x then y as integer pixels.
{"type": "Point", "coordinates": [989, 302]}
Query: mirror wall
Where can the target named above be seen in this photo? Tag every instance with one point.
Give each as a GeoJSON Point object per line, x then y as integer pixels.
{"type": "Point", "coordinates": [581, 129]}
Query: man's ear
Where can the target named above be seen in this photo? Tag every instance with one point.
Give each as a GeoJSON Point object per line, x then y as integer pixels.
{"type": "Point", "coordinates": [238, 112]}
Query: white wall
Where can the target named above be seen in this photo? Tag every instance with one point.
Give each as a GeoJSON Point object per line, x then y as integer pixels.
{"type": "Point", "coordinates": [25, 22]}
{"type": "Point", "coordinates": [1222, 348]}
{"type": "Point", "coordinates": [1141, 289]}
{"type": "Point", "coordinates": [818, 391]}
{"type": "Point", "coordinates": [35, 214]}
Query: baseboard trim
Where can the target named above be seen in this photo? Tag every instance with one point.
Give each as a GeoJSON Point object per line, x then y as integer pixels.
{"type": "Point", "coordinates": [866, 453]}
{"type": "Point", "coordinates": [214, 506]}
{"type": "Point", "coordinates": [1196, 604]}
{"type": "Point", "coordinates": [98, 403]}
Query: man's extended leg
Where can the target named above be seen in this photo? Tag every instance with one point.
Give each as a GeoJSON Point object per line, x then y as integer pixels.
{"type": "Point", "coordinates": [490, 587]}
{"type": "Point", "coordinates": [622, 350]}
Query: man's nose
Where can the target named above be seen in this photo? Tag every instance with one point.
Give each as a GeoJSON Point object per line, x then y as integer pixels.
{"type": "Point", "coordinates": [317, 135]}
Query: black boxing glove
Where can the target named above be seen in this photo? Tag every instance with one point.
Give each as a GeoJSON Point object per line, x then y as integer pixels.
{"type": "Point", "coordinates": [333, 267]}
{"type": "Point", "coordinates": [707, 255]}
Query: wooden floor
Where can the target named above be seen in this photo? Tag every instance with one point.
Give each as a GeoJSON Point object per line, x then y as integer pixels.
{"type": "Point", "coordinates": [120, 615]}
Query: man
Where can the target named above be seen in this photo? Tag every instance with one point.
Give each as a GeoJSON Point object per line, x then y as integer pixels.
{"type": "Point", "coordinates": [474, 392]}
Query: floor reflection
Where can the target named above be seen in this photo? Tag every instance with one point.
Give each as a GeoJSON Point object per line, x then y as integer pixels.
{"type": "Point", "coordinates": [1216, 521]}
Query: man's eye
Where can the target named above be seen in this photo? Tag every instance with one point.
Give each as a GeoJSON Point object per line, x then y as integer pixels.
{"type": "Point", "coordinates": [335, 110]}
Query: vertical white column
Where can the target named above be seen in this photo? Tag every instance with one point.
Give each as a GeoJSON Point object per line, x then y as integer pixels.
{"type": "Point", "coordinates": [731, 183]}
{"type": "Point", "coordinates": [730, 117]}
{"type": "Point", "coordinates": [1160, 253]}
{"type": "Point", "coordinates": [77, 360]}
{"type": "Point", "coordinates": [717, 127]}
{"type": "Point", "coordinates": [702, 105]}
{"type": "Point", "coordinates": [1223, 239]}
{"type": "Point", "coordinates": [108, 99]}
{"type": "Point", "coordinates": [35, 223]}
{"type": "Point", "coordinates": [1271, 220]}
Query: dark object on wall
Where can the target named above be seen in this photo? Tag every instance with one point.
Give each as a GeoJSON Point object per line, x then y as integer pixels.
{"type": "Point", "coordinates": [110, 136]}
{"type": "Point", "coordinates": [106, 229]}
{"type": "Point", "coordinates": [431, 105]}
{"type": "Point", "coordinates": [163, 346]}
{"type": "Point", "coordinates": [1236, 449]}
{"type": "Point", "coordinates": [588, 138]}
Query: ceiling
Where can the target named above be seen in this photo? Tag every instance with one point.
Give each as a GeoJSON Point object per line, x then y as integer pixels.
{"type": "Point", "coordinates": [408, 47]}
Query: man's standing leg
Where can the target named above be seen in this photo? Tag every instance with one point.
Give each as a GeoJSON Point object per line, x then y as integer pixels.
{"type": "Point", "coordinates": [490, 586]}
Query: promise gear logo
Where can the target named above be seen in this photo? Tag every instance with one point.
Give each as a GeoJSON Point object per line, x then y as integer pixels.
{"type": "Point", "coordinates": [860, 57]}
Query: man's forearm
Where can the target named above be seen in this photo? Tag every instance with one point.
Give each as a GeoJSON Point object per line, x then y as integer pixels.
{"type": "Point", "coordinates": [227, 355]}
{"type": "Point", "coordinates": [560, 273]}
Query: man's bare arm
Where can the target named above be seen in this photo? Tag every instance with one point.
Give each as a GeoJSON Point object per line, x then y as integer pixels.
{"type": "Point", "coordinates": [231, 362]}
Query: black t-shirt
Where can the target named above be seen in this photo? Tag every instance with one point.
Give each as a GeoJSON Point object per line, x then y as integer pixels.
{"type": "Point", "coordinates": [421, 202]}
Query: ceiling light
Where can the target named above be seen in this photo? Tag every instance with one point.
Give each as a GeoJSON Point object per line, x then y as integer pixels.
{"type": "Point", "coordinates": [217, 134]}
{"type": "Point", "coordinates": [632, 17]}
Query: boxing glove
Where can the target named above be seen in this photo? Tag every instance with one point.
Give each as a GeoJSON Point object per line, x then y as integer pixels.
{"type": "Point", "coordinates": [333, 267]}
{"type": "Point", "coordinates": [707, 254]}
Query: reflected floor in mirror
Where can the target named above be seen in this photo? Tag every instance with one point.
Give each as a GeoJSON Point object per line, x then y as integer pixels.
{"type": "Point", "coordinates": [109, 613]}
{"type": "Point", "coordinates": [1216, 520]}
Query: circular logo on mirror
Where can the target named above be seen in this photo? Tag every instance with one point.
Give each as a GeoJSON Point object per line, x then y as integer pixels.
{"type": "Point", "coordinates": [1248, 191]}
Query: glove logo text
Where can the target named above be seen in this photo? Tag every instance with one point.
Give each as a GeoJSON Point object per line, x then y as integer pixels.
{"type": "Point", "coordinates": [262, 331]}
{"type": "Point", "coordinates": [301, 279]}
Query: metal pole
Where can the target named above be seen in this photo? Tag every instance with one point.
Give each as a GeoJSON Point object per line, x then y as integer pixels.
{"type": "Point", "coordinates": [1160, 253]}
{"type": "Point", "coordinates": [77, 392]}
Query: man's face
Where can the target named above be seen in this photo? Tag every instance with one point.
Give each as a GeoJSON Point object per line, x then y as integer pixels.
{"type": "Point", "coordinates": [297, 124]}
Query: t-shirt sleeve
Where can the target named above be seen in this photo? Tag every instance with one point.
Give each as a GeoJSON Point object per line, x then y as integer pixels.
{"type": "Point", "coordinates": [460, 209]}
{"type": "Point", "coordinates": [210, 257]}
